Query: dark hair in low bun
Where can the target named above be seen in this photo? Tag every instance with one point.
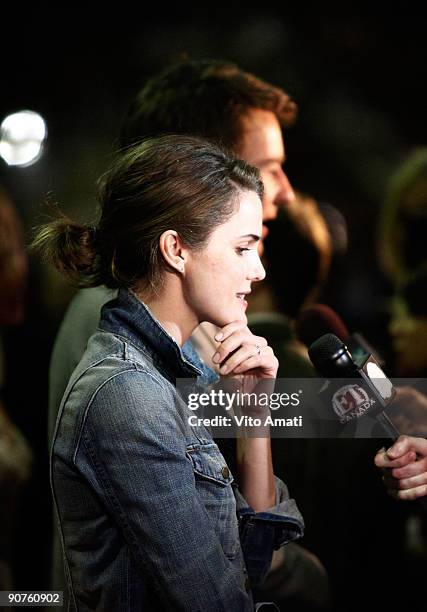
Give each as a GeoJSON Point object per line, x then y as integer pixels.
{"type": "Point", "coordinates": [70, 247]}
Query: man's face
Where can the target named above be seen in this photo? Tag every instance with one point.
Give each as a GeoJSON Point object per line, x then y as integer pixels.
{"type": "Point", "coordinates": [262, 146]}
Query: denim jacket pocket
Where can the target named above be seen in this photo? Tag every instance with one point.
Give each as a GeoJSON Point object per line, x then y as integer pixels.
{"type": "Point", "coordinates": [213, 483]}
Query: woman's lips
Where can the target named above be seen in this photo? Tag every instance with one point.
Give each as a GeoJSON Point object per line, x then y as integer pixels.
{"type": "Point", "coordinates": [241, 298]}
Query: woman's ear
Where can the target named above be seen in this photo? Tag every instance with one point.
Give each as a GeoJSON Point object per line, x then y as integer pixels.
{"type": "Point", "coordinates": [173, 250]}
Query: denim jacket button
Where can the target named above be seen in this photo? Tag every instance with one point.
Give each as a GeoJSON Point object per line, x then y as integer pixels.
{"type": "Point", "coordinates": [225, 471]}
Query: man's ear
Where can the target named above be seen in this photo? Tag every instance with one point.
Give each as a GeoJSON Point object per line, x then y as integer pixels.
{"type": "Point", "coordinates": [173, 250]}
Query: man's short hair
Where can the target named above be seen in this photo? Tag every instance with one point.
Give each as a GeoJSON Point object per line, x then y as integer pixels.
{"type": "Point", "coordinates": [206, 98]}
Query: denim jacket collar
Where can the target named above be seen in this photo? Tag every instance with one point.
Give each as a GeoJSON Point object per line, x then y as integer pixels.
{"type": "Point", "coordinates": [128, 317]}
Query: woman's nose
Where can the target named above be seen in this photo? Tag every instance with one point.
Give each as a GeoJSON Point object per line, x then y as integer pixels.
{"type": "Point", "coordinates": [257, 273]}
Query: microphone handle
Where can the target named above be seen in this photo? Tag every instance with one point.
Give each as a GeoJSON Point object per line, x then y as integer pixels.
{"type": "Point", "coordinates": [388, 425]}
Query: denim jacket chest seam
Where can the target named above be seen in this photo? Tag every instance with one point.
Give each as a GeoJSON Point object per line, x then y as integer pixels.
{"type": "Point", "coordinates": [137, 367]}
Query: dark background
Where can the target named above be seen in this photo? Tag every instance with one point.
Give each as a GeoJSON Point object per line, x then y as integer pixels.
{"type": "Point", "coordinates": [360, 84]}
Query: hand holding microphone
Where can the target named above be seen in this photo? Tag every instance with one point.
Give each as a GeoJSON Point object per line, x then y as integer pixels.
{"type": "Point", "coordinates": [405, 468]}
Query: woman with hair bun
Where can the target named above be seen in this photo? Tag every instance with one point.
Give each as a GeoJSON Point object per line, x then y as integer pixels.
{"type": "Point", "coordinates": [151, 517]}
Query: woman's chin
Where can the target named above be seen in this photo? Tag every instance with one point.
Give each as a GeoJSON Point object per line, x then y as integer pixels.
{"type": "Point", "coordinates": [238, 316]}
{"type": "Point", "coordinates": [226, 319]}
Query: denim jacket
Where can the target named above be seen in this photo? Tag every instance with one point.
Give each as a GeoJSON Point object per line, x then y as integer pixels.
{"type": "Point", "coordinates": [148, 514]}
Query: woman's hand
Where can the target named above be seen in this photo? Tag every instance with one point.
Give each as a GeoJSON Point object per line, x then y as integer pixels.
{"type": "Point", "coordinates": [241, 352]}
{"type": "Point", "coordinates": [249, 364]}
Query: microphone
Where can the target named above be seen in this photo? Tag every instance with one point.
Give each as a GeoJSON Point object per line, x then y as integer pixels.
{"type": "Point", "coordinates": [367, 393]}
{"type": "Point", "coordinates": [319, 319]}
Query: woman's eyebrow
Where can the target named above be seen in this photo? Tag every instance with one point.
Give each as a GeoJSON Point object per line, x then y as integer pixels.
{"type": "Point", "coordinates": [252, 237]}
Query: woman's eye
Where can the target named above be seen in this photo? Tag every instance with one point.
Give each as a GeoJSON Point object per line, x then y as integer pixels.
{"type": "Point", "coordinates": [242, 250]}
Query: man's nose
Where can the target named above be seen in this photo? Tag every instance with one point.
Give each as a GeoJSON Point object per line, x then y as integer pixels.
{"type": "Point", "coordinates": [286, 194]}
{"type": "Point", "coordinates": [269, 210]}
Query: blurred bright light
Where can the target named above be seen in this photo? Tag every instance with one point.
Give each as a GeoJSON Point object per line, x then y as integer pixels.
{"type": "Point", "coordinates": [21, 138]}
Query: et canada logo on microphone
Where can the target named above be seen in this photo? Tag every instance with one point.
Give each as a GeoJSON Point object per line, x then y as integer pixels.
{"type": "Point", "coordinates": [351, 402]}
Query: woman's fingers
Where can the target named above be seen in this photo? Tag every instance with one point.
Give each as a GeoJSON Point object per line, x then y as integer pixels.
{"type": "Point", "coordinates": [249, 358]}
{"type": "Point", "coordinates": [240, 351]}
{"type": "Point", "coordinates": [235, 335]}
{"type": "Point", "coordinates": [227, 330]}
{"type": "Point", "coordinates": [243, 354]}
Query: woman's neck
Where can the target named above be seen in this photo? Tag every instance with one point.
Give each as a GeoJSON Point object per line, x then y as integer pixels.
{"type": "Point", "coordinates": [170, 309]}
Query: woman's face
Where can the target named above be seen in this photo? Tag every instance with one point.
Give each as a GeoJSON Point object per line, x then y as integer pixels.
{"type": "Point", "coordinates": [218, 278]}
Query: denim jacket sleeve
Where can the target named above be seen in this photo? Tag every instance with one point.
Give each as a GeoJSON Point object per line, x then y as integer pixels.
{"type": "Point", "coordinates": [137, 459]}
{"type": "Point", "coordinates": [263, 532]}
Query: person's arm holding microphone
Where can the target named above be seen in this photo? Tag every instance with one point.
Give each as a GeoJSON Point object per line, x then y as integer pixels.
{"type": "Point", "coordinates": [405, 462]}
{"type": "Point", "coordinates": [405, 468]}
